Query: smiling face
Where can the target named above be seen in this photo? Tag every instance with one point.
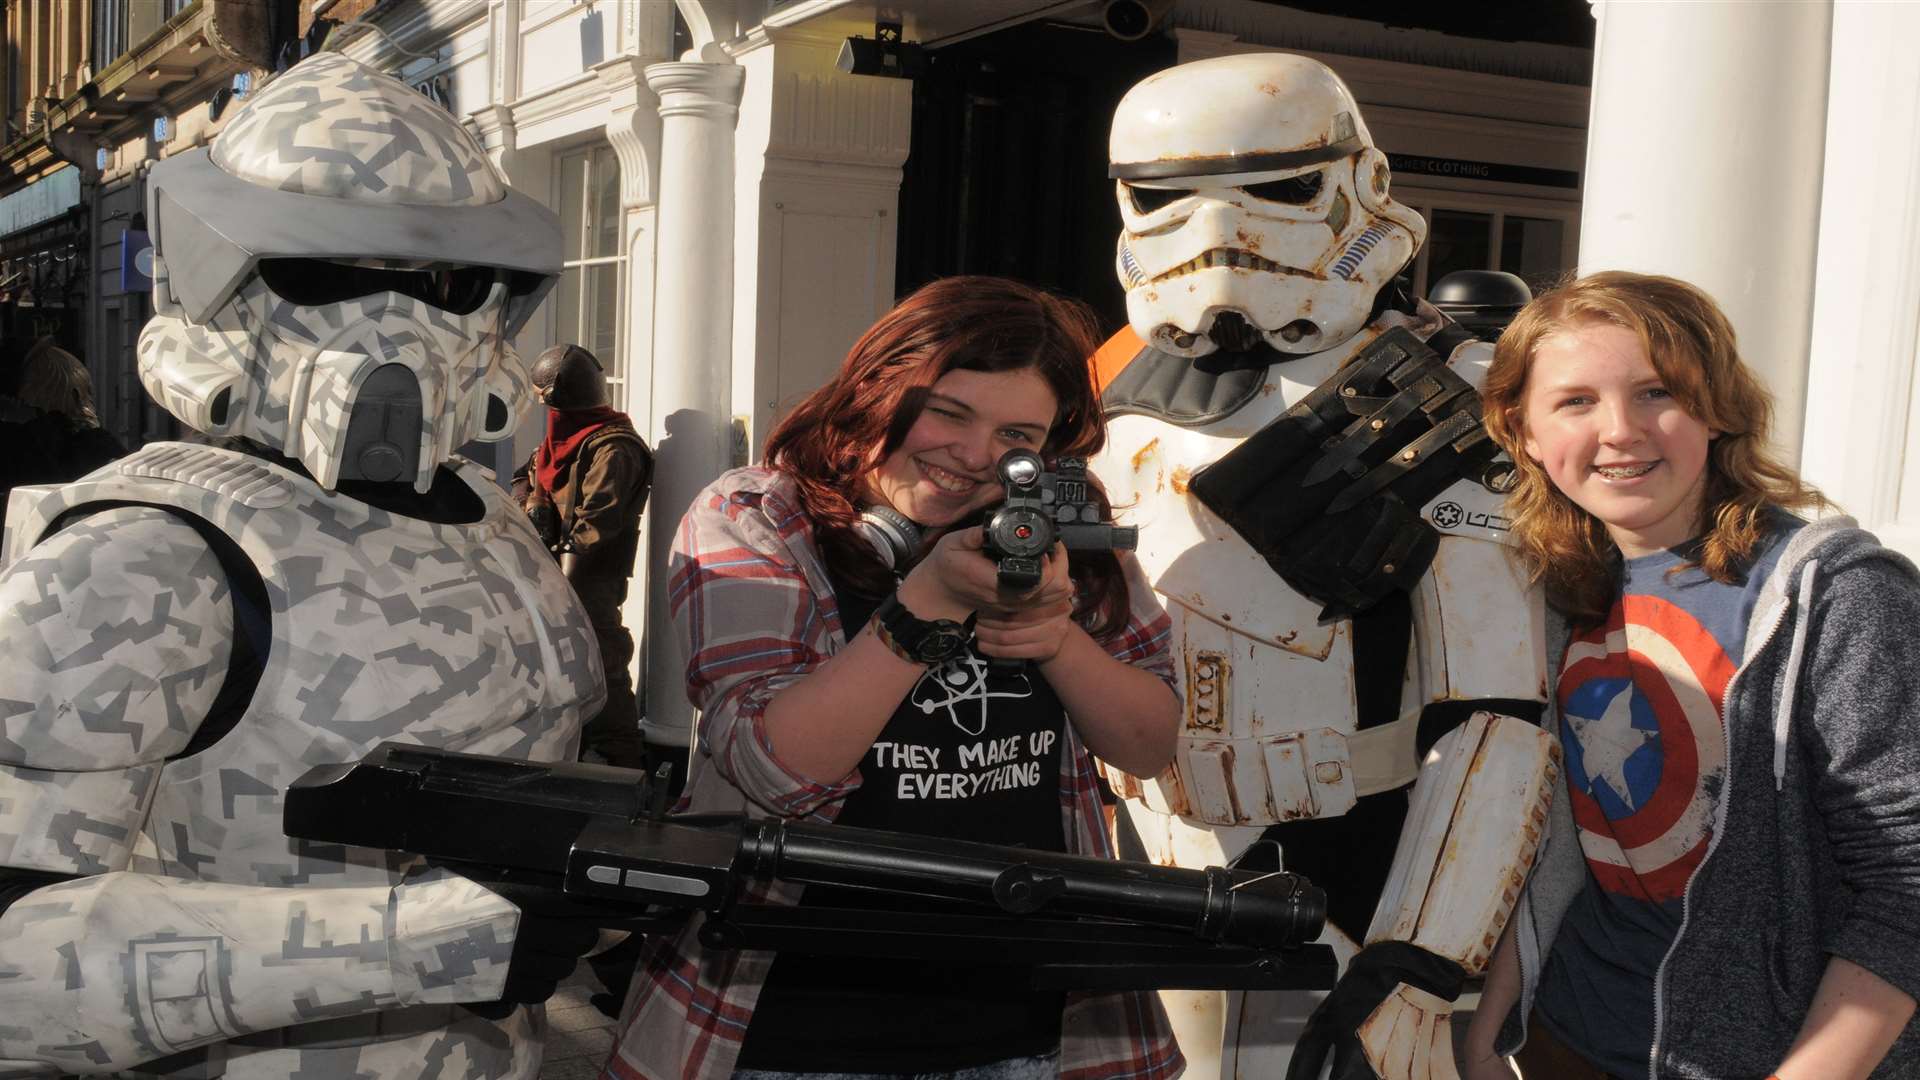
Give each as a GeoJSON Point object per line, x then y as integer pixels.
{"type": "Point", "coordinates": [943, 470]}
{"type": "Point", "coordinates": [1601, 423]}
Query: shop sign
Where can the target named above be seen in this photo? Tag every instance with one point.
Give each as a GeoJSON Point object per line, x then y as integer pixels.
{"type": "Point", "coordinates": [1462, 169]}
{"type": "Point", "coordinates": [136, 261]}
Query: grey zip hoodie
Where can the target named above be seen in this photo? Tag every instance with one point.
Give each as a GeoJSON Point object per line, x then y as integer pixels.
{"type": "Point", "coordinates": [1816, 842]}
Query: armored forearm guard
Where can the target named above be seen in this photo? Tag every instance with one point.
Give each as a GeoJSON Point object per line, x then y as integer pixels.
{"type": "Point", "coordinates": [109, 971]}
{"type": "Point", "coordinates": [1477, 817]}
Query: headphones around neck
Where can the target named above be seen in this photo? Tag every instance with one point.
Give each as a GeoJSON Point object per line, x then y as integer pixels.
{"type": "Point", "coordinates": [893, 535]}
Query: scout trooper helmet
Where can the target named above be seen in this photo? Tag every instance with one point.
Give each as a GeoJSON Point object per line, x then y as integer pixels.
{"type": "Point", "coordinates": [1254, 205]}
{"type": "Point", "coordinates": [338, 276]}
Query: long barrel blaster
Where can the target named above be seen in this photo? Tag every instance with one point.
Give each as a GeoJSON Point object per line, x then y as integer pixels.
{"type": "Point", "coordinates": [596, 836]}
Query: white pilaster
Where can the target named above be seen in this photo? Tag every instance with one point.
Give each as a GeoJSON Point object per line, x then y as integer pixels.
{"type": "Point", "coordinates": [816, 214]}
{"type": "Point", "coordinates": [633, 130]}
{"type": "Point", "coordinates": [692, 338]}
{"type": "Point", "coordinates": [1862, 443]}
{"type": "Point", "coordinates": [503, 33]}
{"type": "Point", "coordinates": [1704, 156]}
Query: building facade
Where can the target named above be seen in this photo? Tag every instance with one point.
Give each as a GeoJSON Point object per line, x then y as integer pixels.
{"type": "Point", "coordinates": [97, 90]}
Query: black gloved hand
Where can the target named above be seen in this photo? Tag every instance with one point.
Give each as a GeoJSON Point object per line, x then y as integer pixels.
{"type": "Point", "coordinates": [553, 935]}
{"type": "Point", "coordinates": [1370, 979]}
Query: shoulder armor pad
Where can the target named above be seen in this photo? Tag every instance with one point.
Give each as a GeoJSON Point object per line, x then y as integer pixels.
{"type": "Point", "coordinates": [235, 476]}
{"type": "Point", "coordinates": [243, 479]}
{"type": "Point", "coordinates": [118, 630]}
{"type": "Point", "coordinates": [1472, 510]}
{"type": "Point", "coordinates": [1173, 389]}
{"type": "Point", "coordinates": [1469, 358]}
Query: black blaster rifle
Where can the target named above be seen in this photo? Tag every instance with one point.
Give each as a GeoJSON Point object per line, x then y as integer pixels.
{"type": "Point", "coordinates": [598, 836]}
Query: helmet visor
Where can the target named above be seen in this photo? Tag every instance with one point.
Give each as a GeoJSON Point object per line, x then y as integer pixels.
{"type": "Point", "coordinates": [213, 229]}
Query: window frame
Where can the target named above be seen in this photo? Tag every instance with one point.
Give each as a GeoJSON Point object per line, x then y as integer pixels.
{"type": "Point", "coordinates": [582, 230]}
{"type": "Point", "coordinates": [1425, 200]}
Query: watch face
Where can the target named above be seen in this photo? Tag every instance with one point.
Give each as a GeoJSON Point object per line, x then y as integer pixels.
{"type": "Point", "coordinates": [945, 640]}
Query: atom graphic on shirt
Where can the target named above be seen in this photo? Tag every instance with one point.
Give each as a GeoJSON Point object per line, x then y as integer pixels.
{"type": "Point", "coordinates": [960, 681]}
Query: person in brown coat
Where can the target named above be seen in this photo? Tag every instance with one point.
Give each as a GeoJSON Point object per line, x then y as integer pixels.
{"type": "Point", "coordinates": [585, 487]}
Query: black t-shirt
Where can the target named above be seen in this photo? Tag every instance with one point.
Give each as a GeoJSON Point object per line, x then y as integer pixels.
{"type": "Point", "coordinates": [972, 753]}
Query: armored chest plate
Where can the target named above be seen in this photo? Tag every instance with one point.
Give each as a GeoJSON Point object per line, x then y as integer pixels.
{"type": "Point", "coordinates": [1270, 729]}
{"type": "Point", "coordinates": [382, 627]}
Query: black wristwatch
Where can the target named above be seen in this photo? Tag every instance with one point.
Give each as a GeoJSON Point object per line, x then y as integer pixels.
{"type": "Point", "coordinates": [923, 641]}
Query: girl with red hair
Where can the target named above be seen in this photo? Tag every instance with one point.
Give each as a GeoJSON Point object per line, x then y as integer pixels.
{"type": "Point", "coordinates": [838, 615]}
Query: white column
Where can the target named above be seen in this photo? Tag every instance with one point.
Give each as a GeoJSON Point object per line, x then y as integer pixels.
{"type": "Point", "coordinates": [1704, 157]}
{"type": "Point", "coordinates": [1862, 442]}
{"type": "Point", "coordinates": [692, 342]}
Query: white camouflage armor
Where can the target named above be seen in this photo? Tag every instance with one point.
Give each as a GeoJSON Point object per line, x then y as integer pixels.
{"type": "Point", "coordinates": [190, 628]}
{"type": "Point", "coordinates": [1259, 245]}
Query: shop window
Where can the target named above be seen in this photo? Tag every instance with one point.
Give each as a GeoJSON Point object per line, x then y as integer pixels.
{"type": "Point", "coordinates": [1531, 248]}
{"type": "Point", "coordinates": [588, 308]}
{"type": "Point", "coordinates": [1458, 240]}
{"type": "Point", "coordinates": [1535, 246]}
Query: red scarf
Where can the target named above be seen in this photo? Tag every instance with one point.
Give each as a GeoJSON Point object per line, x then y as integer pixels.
{"type": "Point", "coordinates": [567, 430]}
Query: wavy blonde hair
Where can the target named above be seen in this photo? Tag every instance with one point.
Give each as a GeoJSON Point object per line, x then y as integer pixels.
{"type": "Point", "coordinates": [1691, 345]}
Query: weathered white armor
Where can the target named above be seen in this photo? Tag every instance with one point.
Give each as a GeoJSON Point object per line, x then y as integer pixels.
{"type": "Point", "coordinates": [1272, 730]}
{"type": "Point", "coordinates": [189, 629]}
{"type": "Point", "coordinates": [1269, 733]}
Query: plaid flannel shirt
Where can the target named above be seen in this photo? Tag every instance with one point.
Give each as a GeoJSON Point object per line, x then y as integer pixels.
{"type": "Point", "coordinates": [755, 612]}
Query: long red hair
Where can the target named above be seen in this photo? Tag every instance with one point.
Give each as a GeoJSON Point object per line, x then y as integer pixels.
{"type": "Point", "coordinates": [841, 432]}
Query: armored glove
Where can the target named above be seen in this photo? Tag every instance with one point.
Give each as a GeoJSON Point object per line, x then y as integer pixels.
{"type": "Point", "coordinates": [1387, 1018]}
{"type": "Point", "coordinates": [554, 933]}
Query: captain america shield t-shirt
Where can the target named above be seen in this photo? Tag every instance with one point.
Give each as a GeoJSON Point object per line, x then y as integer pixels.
{"type": "Point", "coordinates": [1641, 724]}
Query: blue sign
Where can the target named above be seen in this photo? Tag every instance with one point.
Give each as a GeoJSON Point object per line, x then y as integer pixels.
{"type": "Point", "coordinates": [136, 261]}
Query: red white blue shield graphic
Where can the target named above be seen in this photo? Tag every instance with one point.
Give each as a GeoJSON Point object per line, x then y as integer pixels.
{"type": "Point", "coordinates": [1640, 705]}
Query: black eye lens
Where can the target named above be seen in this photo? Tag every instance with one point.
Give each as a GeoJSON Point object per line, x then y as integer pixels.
{"type": "Point", "coordinates": [316, 282]}
{"type": "Point", "coordinates": [1293, 191]}
{"type": "Point", "coordinates": [461, 290]}
{"type": "Point", "coordinates": [1146, 200]}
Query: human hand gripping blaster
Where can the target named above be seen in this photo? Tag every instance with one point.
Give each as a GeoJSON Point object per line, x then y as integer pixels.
{"type": "Point", "coordinates": [1042, 507]}
{"type": "Point", "coordinates": [595, 840]}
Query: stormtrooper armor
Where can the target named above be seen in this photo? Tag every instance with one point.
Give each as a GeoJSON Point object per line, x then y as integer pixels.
{"type": "Point", "coordinates": [1318, 506]}
{"type": "Point", "coordinates": [192, 627]}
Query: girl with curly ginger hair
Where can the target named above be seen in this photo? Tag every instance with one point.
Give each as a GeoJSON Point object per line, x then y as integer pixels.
{"type": "Point", "coordinates": [1734, 690]}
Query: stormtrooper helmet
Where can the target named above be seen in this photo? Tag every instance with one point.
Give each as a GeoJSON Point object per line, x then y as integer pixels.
{"type": "Point", "coordinates": [1255, 207]}
{"type": "Point", "coordinates": [338, 277]}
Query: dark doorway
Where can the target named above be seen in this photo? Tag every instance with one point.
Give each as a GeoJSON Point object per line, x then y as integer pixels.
{"type": "Point", "coordinates": [1008, 168]}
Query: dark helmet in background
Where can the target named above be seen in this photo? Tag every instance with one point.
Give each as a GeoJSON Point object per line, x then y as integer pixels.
{"type": "Point", "coordinates": [570, 377]}
{"type": "Point", "coordinates": [1483, 301]}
